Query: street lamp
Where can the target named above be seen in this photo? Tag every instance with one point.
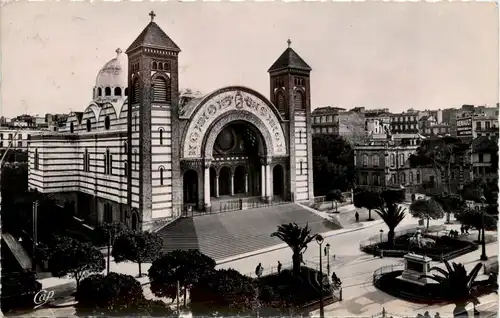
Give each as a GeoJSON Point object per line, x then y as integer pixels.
{"type": "Point", "coordinates": [381, 233]}
{"type": "Point", "coordinates": [328, 258]}
{"type": "Point", "coordinates": [319, 240]}
{"type": "Point", "coordinates": [483, 241]}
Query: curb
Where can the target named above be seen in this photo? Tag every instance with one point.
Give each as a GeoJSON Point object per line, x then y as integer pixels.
{"type": "Point", "coordinates": [284, 245]}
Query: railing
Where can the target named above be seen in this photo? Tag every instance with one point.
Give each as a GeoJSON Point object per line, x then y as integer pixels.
{"type": "Point", "coordinates": [385, 270]}
{"type": "Point", "coordinates": [377, 238]}
{"type": "Point", "coordinates": [189, 210]}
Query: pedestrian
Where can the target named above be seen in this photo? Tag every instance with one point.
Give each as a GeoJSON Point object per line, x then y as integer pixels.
{"type": "Point", "coordinates": [437, 315]}
{"type": "Point", "coordinates": [258, 270]}
{"type": "Point", "coordinates": [279, 267]}
{"type": "Point", "coordinates": [427, 315]}
{"type": "Point", "coordinates": [462, 229]}
{"type": "Point", "coordinates": [334, 256]}
{"type": "Point", "coordinates": [356, 215]}
{"type": "Point", "coordinates": [324, 250]}
{"type": "Point", "coordinates": [467, 229]}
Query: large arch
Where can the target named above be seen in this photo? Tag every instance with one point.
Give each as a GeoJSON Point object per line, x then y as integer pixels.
{"type": "Point", "coordinates": [216, 110]}
{"type": "Point", "coordinates": [229, 118]}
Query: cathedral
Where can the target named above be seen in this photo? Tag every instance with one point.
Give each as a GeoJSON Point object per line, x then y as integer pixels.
{"type": "Point", "coordinates": [143, 153]}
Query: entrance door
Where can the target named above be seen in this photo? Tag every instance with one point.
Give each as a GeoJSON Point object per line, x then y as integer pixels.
{"type": "Point", "coordinates": [225, 181]}
{"type": "Point", "coordinates": [134, 221]}
{"type": "Point", "coordinates": [190, 186]}
{"type": "Point", "coordinates": [278, 180]}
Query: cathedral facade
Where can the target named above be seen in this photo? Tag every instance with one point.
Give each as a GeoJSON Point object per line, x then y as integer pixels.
{"type": "Point", "coordinates": [142, 153]}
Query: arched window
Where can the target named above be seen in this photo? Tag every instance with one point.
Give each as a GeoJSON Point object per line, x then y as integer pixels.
{"type": "Point", "coordinates": [108, 162]}
{"type": "Point", "coordinates": [166, 66]}
{"type": "Point", "coordinates": [99, 91]}
{"type": "Point", "coordinates": [161, 89]}
{"type": "Point", "coordinates": [161, 175]}
{"type": "Point", "coordinates": [375, 160]}
{"type": "Point", "coordinates": [125, 167]}
{"type": "Point", "coordinates": [392, 159]}
{"type": "Point", "coordinates": [393, 178]}
{"type": "Point", "coordinates": [299, 100]}
{"type": "Point", "coordinates": [411, 177]}
{"type": "Point", "coordinates": [160, 66]}
{"type": "Point", "coordinates": [402, 159]}
{"type": "Point", "coordinates": [403, 178]}
{"type": "Point", "coordinates": [118, 91]}
{"type": "Point", "coordinates": [107, 123]}
{"type": "Point", "coordinates": [301, 167]}
{"type": "Point", "coordinates": [86, 161]}
{"type": "Point", "coordinates": [71, 127]}
{"type": "Point", "coordinates": [126, 91]}
{"type": "Point", "coordinates": [281, 100]}
{"type": "Point", "coordinates": [107, 91]}
{"type": "Point", "coordinates": [89, 125]}
{"type": "Point", "coordinates": [154, 66]}
{"type": "Point", "coordinates": [418, 177]}
{"type": "Point", "coordinates": [161, 136]}
{"type": "Point", "coordinates": [365, 160]}
{"type": "Point", "coordinates": [136, 91]}
{"type": "Point", "coordinates": [35, 163]}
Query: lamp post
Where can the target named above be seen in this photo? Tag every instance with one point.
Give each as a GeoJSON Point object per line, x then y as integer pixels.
{"type": "Point", "coordinates": [381, 233]}
{"type": "Point", "coordinates": [319, 240]}
{"type": "Point", "coordinates": [483, 241]}
{"type": "Point", "coordinates": [328, 258]}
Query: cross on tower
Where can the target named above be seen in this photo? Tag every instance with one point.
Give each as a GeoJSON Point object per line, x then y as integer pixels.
{"type": "Point", "coordinates": [289, 42]}
{"type": "Point", "coordinates": [152, 15]}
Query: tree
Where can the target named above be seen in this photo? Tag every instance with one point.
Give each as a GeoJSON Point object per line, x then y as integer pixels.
{"type": "Point", "coordinates": [450, 202]}
{"type": "Point", "coordinates": [426, 209]}
{"type": "Point", "coordinates": [115, 294]}
{"type": "Point", "coordinates": [18, 290]}
{"type": "Point", "coordinates": [456, 285]}
{"type": "Point", "coordinates": [224, 292]}
{"type": "Point", "coordinates": [137, 247]}
{"type": "Point", "coordinates": [392, 196]}
{"type": "Point", "coordinates": [333, 163]}
{"type": "Point", "coordinates": [335, 196]}
{"type": "Point", "coordinates": [108, 232]}
{"type": "Point", "coordinates": [439, 153]}
{"type": "Point", "coordinates": [392, 215]}
{"type": "Point", "coordinates": [185, 267]}
{"type": "Point", "coordinates": [474, 218]}
{"type": "Point", "coordinates": [69, 257]}
{"type": "Point", "coordinates": [297, 238]}
{"type": "Point", "coordinates": [368, 200]}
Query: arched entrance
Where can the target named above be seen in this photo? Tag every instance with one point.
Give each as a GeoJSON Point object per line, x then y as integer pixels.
{"type": "Point", "coordinates": [239, 180]}
{"type": "Point", "coordinates": [190, 186]}
{"type": "Point", "coordinates": [225, 181]}
{"type": "Point", "coordinates": [278, 180]}
{"type": "Point", "coordinates": [213, 182]}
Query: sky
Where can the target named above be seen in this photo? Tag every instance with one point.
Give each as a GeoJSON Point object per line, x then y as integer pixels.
{"type": "Point", "coordinates": [372, 54]}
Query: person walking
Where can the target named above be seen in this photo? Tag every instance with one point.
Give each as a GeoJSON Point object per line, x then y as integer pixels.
{"type": "Point", "coordinates": [356, 215]}
{"type": "Point", "coordinates": [258, 270]}
{"type": "Point", "coordinates": [279, 267]}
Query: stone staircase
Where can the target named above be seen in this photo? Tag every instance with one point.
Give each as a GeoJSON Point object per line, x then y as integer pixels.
{"type": "Point", "coordinates": [229, 234]}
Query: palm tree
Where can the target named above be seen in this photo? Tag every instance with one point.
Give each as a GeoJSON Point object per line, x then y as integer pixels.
{"type": "Point", "coordinates": [456, 285]}
{"type": "Point", "coordinates": [296, 238]}
{"type": "Point", "coordinates": [392, 215]}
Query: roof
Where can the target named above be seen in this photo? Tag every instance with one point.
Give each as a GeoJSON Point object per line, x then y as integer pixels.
{"type": "Point", "coordinates": [289, 59]}
{"type": "Point", "coordinates": [154, 37]}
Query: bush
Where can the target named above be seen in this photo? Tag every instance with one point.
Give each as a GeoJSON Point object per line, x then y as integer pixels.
{"type": "Point", "coordinates": [18, 290]}
{"type": "Point", "coordinates": [116, 294]}
{"type": "Point", "coordinates": [290, 290]}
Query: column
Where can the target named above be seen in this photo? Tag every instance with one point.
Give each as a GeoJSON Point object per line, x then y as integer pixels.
{"type": "Point", "coordinates": [216, 185]}
{"type": "Point", "coordinates": [232, 184]}
{"type": "Point", "coordinates": [246, 183]}
{"type": "Point", "coordinates": [263, 181]}
{"type": "Point", "coordinates": [206, 185]}
{"type": "Point", "coordinates": [268, 182]}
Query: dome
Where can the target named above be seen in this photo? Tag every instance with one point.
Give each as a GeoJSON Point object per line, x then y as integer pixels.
{"type": "Point", "coordinates": [113, 73]}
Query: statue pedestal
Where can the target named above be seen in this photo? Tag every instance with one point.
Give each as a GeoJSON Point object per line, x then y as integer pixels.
{"type": "Point", "coordinates": [415, 267]}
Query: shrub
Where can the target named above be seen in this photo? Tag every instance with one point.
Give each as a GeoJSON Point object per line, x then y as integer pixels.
{"type": "Point", "coordinates": [18, 290]}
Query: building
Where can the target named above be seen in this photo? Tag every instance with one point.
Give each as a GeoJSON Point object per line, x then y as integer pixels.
{"type": "Point", "coordinates": [385, 164]}
{"type": "Point", "coordinates": [377, 122]}
{"type": "Point", "coordinates": [337, 121]}
{"type": "Point", "coordinates": [20, 137]}
{"type": "Point", "coordinates": [429, 125]}
{"type": "Point", "coordinates": [485, 124]}
{"type": "Point", "coordinates": [406, 122]}
{"type": "Point", "coordinates": [134, 155]}
{"type": "Point", "coordinates": [485, 157]}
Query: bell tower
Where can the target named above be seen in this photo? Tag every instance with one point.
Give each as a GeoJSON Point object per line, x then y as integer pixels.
{"type": "Point", "coordinates": [152, 126]}
{"type": "Point", "coordinates": [290, 92]}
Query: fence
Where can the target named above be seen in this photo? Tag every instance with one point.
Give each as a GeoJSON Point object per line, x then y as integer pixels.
{"type": "Point", "coordinates": [189, 210]}
{"type": "Point", "coordinates": [385, 270]}
{"type": "Point", "coordinates": [384, 236]}
{"type": "Point", "coordinates": [385, 314]}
